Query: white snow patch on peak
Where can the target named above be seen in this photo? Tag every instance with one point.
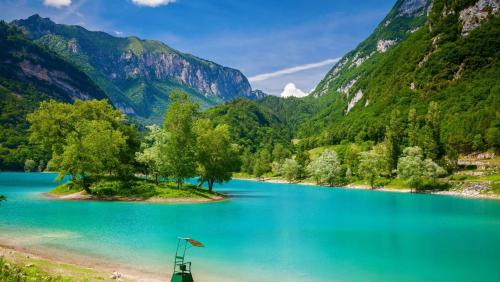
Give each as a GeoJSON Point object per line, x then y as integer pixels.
{"type": "Point", "coordinates": [291, 90]}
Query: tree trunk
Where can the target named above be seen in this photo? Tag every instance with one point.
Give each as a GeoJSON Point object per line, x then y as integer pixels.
{"type": "Point", "coordinates": [210, 185]}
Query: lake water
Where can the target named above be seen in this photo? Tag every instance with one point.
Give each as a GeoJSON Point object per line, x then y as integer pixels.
{"type": "Point", "coordinates": [270, 232]}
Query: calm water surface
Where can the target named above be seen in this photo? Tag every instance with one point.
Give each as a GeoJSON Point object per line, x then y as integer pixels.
{"type": "Point", "coordinates": [270, 232]}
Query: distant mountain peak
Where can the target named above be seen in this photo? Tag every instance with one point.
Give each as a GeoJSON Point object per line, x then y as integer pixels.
{"type": "Point", "coordinates": [138, 74]}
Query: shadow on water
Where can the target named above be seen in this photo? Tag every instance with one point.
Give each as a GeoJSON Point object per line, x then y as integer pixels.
{"type": "Point", "coordinates": [245, 194]}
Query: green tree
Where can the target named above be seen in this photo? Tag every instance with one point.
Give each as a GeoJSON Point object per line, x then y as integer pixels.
{"type": "Point", "coordinates": [433, 170]}
{"type": "Point", "coordinates": [290, 169]}
{"type": "Point", "coordinates": [326, 168]}
{"type": "Point", "coordinates": [217, 156]}
{"type": "Point", "coordinates": [84, 138]}
{"type": "Point", "coordinates": [247, 161]}
{"type": "Point", "coordinates": [262, 162]}
{"type": "Point", "coordinates": [29, 165]}
{"type": "Point", "coordinates": [280, 153]}
{"type": "Point", "coordinates": [477, 143]}
{"type": "Point", "coordinates": [372, 165]}
{"type": "Point", "coordinates": [41, 166]}
{"type": "Point", "coordinates": [151, 155]}
{"type": "Point", "coordinates": [411, 167]}
{"type": "Point", "coordinates": [2, 198]}
{"type": "Point", "coordinates": [428, 143]}
{"type": "Point", "coordinates": [92, 149]}
{"type": "Point", "coordinates": [431, 143]}
{"type": "Point", "coordinates": [393, 138]}
{"type": "Point", "coordinates": [302, 158]}
{"type": "Point", "coordinates": [180, 149]}
{"type": "Point", "coordinates": [413, 127]}
{"type": "Point", "coordinates": [493, 138]}
{"type": "Point", "coordinates": [276, 168]}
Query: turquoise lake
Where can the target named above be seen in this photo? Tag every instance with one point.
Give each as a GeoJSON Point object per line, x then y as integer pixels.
{"type": "Point", "coordinates": [270, 232]}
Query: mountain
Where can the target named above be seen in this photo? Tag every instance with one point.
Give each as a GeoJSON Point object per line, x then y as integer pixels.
{"type": "Point", "coordinates": [29, 74]}
{"type": "Point", "coordinates": [443, 51]}
{"type": "Point", "coordinates": [138, 75]}
{"type": "Point", "coordinates": [423, 51]}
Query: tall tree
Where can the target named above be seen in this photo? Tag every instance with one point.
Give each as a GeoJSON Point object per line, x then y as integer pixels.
{"type": "Point", "coordinates": [413, 127]}
{"type": "Point", "coordinates": [262, 162]}
{"type": "Point", "coordinates": [217, 156]}
{"type": "Point", "coordinates": [290, 169]}
{"type": "Point", "coordinates": [302, 158]}
{"type": "Point", "coordinates": [247, 161]}
{"type": "Point", "coordinates": [371, 165]}
{"type": "Point", "coordinates": [180, 150]}
{"type": "Point", "coordinates": [393, 138]}
{"type": "Point", "coordinates": [411, 166]}
{"type": "Point", "coordinates": [431, 142]}
{"type": "Point", "coordinates": [151, 155]}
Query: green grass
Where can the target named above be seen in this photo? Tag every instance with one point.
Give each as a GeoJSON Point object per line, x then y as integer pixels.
{"type": "Point", "coordinates": [11, 272]}
{"type": "Point", "coordinates": [137, 188]}
{"type": "Point", "coordinates": [66, 189]}
{"type": "Point", "coordinates": [397, 183]}
{"type": "Point", "coordinates": [492, 177]}
{"type": "Point", "coordinates": [495, 188]}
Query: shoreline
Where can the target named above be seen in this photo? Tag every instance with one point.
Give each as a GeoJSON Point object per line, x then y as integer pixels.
{"type": "Point", "coordinates": [81, 196]}
{"type": "Point", "coordinates": [453, 193]}
{"type": "Point", "coordinates": [78, 267]}
{"type": "Point", "coordinates": [73, 266]}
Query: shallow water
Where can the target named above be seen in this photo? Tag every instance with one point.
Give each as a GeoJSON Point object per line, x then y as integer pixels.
{"type": "Point", "coordinates": [270, 232]}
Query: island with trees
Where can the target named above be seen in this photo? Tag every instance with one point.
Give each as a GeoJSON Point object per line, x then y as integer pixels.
{"type": "Point", "coordinates": [105, 157]}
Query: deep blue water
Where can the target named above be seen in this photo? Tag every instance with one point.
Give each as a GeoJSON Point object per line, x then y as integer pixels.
{"type": "Point", "coordinates": [270, 232]}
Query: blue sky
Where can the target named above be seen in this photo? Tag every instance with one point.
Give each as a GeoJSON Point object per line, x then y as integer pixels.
{"type": "Point", "coordinates": [292, 40]}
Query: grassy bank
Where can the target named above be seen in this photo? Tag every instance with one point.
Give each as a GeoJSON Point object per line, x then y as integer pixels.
{"type": "Point", "coordinates": [10, 271]}
{"type": "Point", "coordinates": [136, 188]}
{"type": "Point", "coordinates": [18, 267]}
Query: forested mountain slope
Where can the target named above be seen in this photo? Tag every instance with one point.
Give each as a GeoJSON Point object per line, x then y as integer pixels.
{"type": "Point", "coordinates": [423, 51]}
{"type": "Point", "coordinates": [443, 51]}
{"type": "Point", "coordinates": [29, 74]}
{"type": "Point", "coordinates": [138, 75]}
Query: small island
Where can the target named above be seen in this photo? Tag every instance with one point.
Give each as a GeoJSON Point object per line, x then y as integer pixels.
{"type": "Point", "coordinates": [91, 143]}
{"type": "Point", "coordinates": [135, 189]}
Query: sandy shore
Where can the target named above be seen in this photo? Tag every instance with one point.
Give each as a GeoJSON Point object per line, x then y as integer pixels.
{"type": "Point", "coordinates": [84, 268]}
{"type": "Point", "coordinates": [454, 193]}
{"type": "Point", "coordinates": [81, 196]}
{"type": "Point", "coordinates": [78, 268]}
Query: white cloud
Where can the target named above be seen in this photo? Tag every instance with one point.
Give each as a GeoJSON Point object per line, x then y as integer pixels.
{"type": "Point", "coordinates": [291, 90]}
{"type": "Point", "coordinates": [118, 33]}
{"type": "Point", "coordinates": [295, 69]}
{"type": "Point", "coordinates": [57, 3]}
{"type": "Point", "coordinates": [152, 3]}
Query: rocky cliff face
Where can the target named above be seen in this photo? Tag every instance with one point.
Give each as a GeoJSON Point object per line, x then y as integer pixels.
{"type": "Point", "coordinates": [38, 70]}
{"type": "Point", "coordinates": [138, 75]}
{"type": "Point", "coordinates": [206, 77]}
